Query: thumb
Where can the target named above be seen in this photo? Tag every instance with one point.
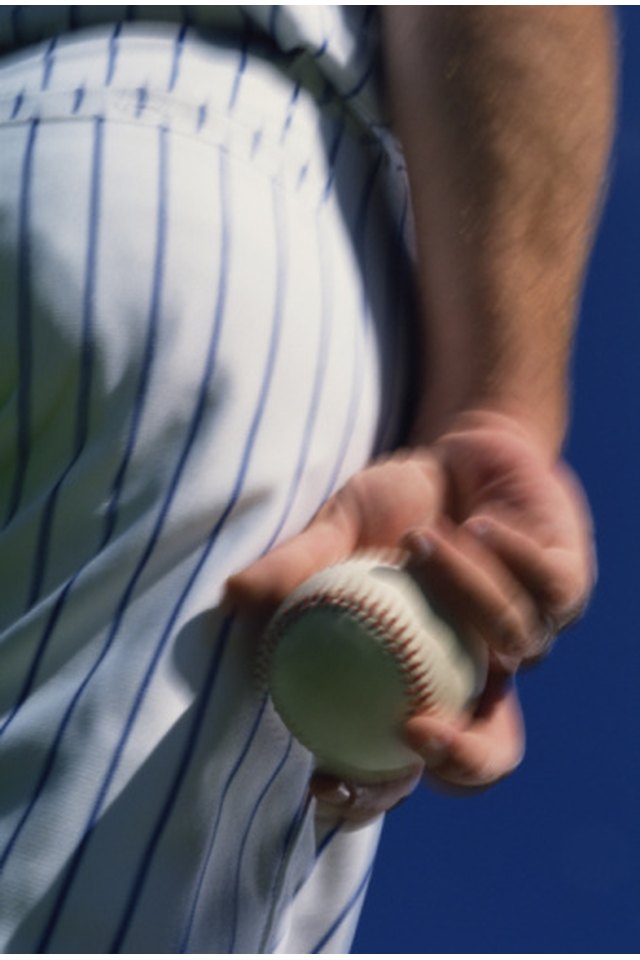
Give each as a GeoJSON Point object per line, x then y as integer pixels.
{"type": "Point", "coordinates": [376, 508]}
{"type": "Point", "coordinates": [330, 537]}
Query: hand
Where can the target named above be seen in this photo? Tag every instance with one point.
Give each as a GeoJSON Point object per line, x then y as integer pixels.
{"type": "Point", "coordinates": [511, 555]}
{"type": "Point", "coordinates": [500, 538]}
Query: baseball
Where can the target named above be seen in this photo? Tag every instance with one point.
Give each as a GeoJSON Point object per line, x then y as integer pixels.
{"type": "Point", "coordinates": [353, 653]}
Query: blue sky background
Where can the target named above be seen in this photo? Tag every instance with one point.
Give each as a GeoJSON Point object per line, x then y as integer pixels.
{"type": "Point", "coordinates": [550, 859]}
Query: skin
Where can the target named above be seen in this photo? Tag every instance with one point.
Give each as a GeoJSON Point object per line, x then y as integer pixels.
{"type": "Point", "coordinates": [505, 117]}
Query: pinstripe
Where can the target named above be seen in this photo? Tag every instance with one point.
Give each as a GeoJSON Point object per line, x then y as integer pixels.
{"type": "Point", "coordinates": [71, 18]}
{"type": "Point", "coordinates": [24, 332]}
{"type": "Point", "coordinates": [17, 104]}
{"type": "Point", "coordinates": [177, 55]}
{"type": "Point", "coordinates": [32, 672]}
{"type": "Point", "coordinates": [70, 709]}
{"type": "Point", "coordinates": [360, 230]}
{"type": "Point", "coordinates": [269, 365]}
{"type": "Point", "coordinates": [167, 809]}
{"type": "Point", "coordinates": [344, 913]}
{"type": "Point", "coordinates": [370, 65]}
{"type": "Point", "coordinates": [288, 848]}
{"type": "Point", "coordinates": [359, 237]}
{"type": "Point", "coordinates": [321, 354]}
{"type": "Point", "coordinates": [243, 843]}
{"type": "Point", "coordinates": [242, 65]}
{"type": "Point", "coordinates": [85, 368]}
{"type": "Point", "coordinates": [325, 842]}
{"type": "Point", "coordinates": [319, 373]}
{"type": "Point", "coordinates": [352, 411]}
{"type": "Point", "coordinates": [295, 95]}
{"type": "Point", "coordinates": [334, 148]}
{"type": "Point", "coordinates": [202, 703]}
{"type": "Point", "coordinates": [141, 869]}
{"type": "Point", "coordinates": [78, 97]}
{"type": "Point", "coordinates": [358, 371]}
{"type": "Point", "coordinates": [142, 98]}
{"type": "Point", "coordinates": [326, 290]}
{"type": "Point", "coordinates": [81, 431]}
{"type": "Point", "coordinates": [328, 837]}
{"type": "Point", "coordinates": [360, 84]}
{"type": "Point", "coordinates": [113, 54]}
{"type": "Point", "coordinates": [41, 783]}
{"type": "Point", "coordinates": [332, 834]}
{"type": "Point", "coordinates": [358, 332]}
{"type": "Point", "coordinates": [219, 312]}
{"type": "Point", "coordinates": [48, 63]}
{"type": "Point", "coordinates": [150, 346]}
{"type": "Point", "coordinates": [322, 49]}
{"type": "Point", "coordinates": [186, 933]}
{"type": "Point", "coordinates": [76, 860]}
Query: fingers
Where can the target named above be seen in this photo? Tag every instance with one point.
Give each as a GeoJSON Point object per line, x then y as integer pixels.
{"type": "Point", "coordinates": [458, 758]}
{"type": "Point", "coordinates": [558, 579]}
{"type": "Point", "coordinates": [476, 756]}
{"type": "Point", "coordinates": [262, 586]}
{"type": "Point", "coordinates": [496, 581]}
{"type": "Point", "coordinates": [475, 590]}
{"type": "Point", "coordinates": [359, 803]}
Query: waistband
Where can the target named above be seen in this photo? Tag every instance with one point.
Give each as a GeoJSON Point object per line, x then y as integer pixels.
{"type": "Point", "coordinates": [167, 76]}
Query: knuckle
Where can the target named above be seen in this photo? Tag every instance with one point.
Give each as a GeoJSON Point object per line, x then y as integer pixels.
{"type": "Point", "coordinates": [509, 633]}
{"type": "Point", "coordinates": [563, 595]}
{"type": "Point", "coordinates": [568, 589]}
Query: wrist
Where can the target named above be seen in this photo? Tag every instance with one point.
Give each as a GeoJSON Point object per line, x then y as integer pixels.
{"type": "Point", "coordinates": [545, 432]}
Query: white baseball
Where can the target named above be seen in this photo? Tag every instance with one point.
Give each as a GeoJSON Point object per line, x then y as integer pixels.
{"type": "Point", "coordinates": [354, 652]}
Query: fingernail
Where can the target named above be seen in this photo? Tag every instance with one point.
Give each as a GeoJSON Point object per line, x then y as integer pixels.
{"type": "Point", "coordinates": [432, 747]}
{"type": "Point", "coordinates": [420, 545]}
{"type": "Point", "coordinates": [479, 528]}
{"type": "Point", "coordinates": [334, 793]}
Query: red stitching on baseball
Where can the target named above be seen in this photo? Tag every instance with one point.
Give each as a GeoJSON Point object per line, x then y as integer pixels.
{"type": "Point", "coordinates": [393, 636]}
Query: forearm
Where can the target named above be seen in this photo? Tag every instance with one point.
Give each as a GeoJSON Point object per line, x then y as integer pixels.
{"type": "Point", "coordinates": [505, 117]}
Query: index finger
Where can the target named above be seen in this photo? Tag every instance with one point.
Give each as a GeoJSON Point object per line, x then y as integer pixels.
{"type": "Point", "coordinates": [265, 583]}
{"type": "Point", "coordinates": [376, 508]}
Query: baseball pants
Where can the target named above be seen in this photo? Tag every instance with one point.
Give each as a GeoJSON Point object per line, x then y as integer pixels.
{"type": "Point", "coordinates": [204, 332]}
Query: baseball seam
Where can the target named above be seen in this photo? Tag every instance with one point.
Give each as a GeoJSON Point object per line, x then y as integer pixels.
{"type": "Point", "coordinates": [393, 631]}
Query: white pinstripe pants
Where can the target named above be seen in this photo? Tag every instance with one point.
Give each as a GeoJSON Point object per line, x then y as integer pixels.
{"type": "Point", "coordinates": [202, 290]}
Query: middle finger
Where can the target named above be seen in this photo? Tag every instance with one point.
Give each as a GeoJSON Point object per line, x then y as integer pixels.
{"type": "Point", "coordinates": [474, 589]}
